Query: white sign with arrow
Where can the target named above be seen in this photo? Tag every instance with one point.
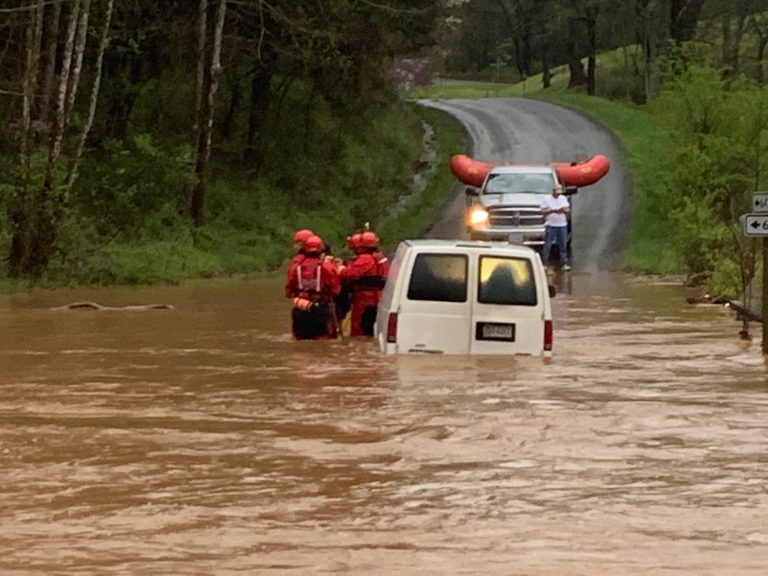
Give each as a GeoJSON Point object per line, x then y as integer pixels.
{"type": "Point", "coordinates": [755, 224]}
{"type": "Point", "coordinates": [760, 202]}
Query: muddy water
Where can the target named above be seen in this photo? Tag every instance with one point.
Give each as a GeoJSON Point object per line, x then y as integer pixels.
{"type": "Point", "coordinates": [202, 440]}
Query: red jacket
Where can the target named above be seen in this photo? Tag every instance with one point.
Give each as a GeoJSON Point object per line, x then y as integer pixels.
{"type": "Point", "coordinates": [312, 277]}
{"type": "Point", "coordinates": [364, 276]}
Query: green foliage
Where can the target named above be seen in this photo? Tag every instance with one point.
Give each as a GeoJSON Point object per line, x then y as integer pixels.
{"type": "Point", "coordinates": [422, 206]}
{"type": "Point", "coordinates": [163, 107]}
{"type": "Point", "coordinates": [134, 188]}
{"type": "Point", "coordinates": [713, 169]}
{"type": "Point", "coordinates": [126, 226]}
{"type": "Point", "coordinates": [646, 144]}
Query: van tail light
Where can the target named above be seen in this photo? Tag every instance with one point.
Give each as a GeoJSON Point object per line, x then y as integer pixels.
{"type": "Point", "coordinates": [392, 328]}
{"type": "Point", "coordinates": [548, 335]}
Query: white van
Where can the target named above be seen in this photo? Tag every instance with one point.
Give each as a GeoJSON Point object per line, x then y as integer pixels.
{"type": "Point", "coordinates": [465, 297]}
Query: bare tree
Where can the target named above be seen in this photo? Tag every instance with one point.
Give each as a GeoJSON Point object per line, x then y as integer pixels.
{"type": "Point", "coordinates": [103, 42]}
{"type": "Point", "coordinates": [16, 211]}
{"type": "Point", "coordinates": [211, 73]}
{"type": "Point", "coordinates": [52, 44]}
{"type": "Point", "coordinates": [38, 210]}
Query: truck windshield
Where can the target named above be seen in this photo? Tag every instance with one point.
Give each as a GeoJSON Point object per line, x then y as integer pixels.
{"type": "Point", "coordinates": [518, 183]}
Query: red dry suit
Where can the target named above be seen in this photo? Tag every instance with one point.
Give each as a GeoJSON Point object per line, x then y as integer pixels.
{"type": "Point", "coordinates": [364, 276]}
{"type": "Point", "coordinates": [291, 271]}
{"type": "Point", "coordinates": [313, 282]}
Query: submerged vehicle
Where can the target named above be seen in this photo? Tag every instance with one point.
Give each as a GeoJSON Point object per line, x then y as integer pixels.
{"type": "Point", "coordinates": [464, 297]}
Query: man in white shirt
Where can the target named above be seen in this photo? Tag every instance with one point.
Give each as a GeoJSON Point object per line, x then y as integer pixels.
{"type": "Point", "coordinates": [555, 208]}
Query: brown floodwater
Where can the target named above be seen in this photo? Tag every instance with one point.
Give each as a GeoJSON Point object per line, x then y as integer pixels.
{"type": "Point", "coordinates": [203, 440]}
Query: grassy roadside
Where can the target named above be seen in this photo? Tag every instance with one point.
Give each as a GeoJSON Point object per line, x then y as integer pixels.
{"type": "Point", "coordinates": [386, 169]}
{"type": "Point", "coordinates": [646, 146]}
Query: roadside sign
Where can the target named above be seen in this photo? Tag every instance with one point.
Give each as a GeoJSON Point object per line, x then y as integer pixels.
{"type": "Point", "coordinates": [755, 224]}
{"type": "Point", "coordinates": [760, 202]}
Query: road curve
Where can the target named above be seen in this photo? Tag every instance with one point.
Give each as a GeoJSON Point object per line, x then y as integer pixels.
{"type": "Point", "coordinates": [525, 130]}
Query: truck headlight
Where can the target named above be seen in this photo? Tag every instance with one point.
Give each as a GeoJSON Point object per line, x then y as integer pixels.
{"type": "Point", "coordinates": [477, 217]}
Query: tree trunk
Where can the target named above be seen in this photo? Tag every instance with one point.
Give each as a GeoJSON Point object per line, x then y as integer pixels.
{"type": "Point", "coordinates": [17, 209]}
{"type": "Point", "coordinates": [48, 207]}
{"type": "Point", "coordinates": [52, 43]}
{"type": "Point", "coordinates": [77, 65]}
{"type": "Point", "coordinates": [577, 75]}
{"type": "Point", "coordinates": [683, 18]}
{"type": "Point", "coordinates": [591, 24]}
{"type": "Point", "coordinates": [103, 42]}
{"type": "Point", "coordinates": [546, 73]}
{"type": "Point", "coordinates": [59, 117]}
{"type": "Point", "coordinates": [235, 101]}
{"type": "Point", "coordinates": [201, 78]}
{"type": "Point", "coordinates": [762, 44]}
{"type": "Point", "coordinates": [207, 113]}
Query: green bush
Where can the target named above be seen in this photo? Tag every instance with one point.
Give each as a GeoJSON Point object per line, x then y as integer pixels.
{"type": "Point", "coordinates": [134, 188]}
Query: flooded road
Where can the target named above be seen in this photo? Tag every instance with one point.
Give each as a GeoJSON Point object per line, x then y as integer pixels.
{"type": "Point", "coordinates": [203, 440]}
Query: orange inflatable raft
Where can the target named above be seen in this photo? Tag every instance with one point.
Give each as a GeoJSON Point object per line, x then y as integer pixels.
{"type": "Point", "coordinates": [472, 172]}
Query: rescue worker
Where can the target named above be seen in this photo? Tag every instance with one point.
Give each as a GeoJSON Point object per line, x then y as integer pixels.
{"type": "Point", "coordinates": [313, 284]}
{"type": "Point", "coordinates": [344, 299]}
{"type": "Point", "coordinates": [365, 275]}
{"type": "Point", "coordinates": [299, 238]}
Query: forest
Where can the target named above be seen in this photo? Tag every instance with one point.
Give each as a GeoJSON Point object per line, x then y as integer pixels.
{"type": "Point", "coordinates": [156, 141]}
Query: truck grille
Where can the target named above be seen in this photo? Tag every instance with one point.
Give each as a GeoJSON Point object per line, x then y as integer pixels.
{"type": "Point", "coordinates": [515, 217]}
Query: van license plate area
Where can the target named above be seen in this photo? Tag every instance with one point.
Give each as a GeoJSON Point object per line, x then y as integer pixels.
{"type": "Point", "coordinates": [495, 331]}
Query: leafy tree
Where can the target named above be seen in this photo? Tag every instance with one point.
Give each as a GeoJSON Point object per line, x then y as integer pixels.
{"type": "Point", "coordinates": [49, 125]}
{"type": "Point", "coordinates": [721, 129]}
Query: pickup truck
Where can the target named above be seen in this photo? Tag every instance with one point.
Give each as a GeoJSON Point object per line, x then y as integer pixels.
{"type": "Point", "coordinates": [506, 206]}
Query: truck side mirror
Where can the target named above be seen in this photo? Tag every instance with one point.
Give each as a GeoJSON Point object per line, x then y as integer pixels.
{"type": "Point", "coordinates": [571, 190]}
{"type": "Point", "coordinates": [552, 291]}
{"type": "Point", "coordinates": [471, 191]}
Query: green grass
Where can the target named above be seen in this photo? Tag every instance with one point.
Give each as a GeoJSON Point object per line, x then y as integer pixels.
{"type": "Point", "coordinates": [352, 172]}
{"type": "Point", "coordinates": [646, 146]}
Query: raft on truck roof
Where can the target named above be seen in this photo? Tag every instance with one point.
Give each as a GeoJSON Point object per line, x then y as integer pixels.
{"type": "Point", "coordinates": [571, 174]}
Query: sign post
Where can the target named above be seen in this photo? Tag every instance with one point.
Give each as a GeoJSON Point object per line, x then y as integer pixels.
{"type": "Point", "coordinates": [756, 224]}
{"type": "Point", "coordinates": [765, 299]}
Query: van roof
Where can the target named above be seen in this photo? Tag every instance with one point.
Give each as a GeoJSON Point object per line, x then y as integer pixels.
{"type": "Point", "coordinates": [505, 247]}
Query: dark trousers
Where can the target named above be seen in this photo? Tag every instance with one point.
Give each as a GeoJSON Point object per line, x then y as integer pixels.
{"type": "Point", "coordinates": [313, 324]}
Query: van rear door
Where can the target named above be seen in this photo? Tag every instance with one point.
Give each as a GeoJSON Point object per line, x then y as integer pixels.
{"type": "Point", "coordinates": [434, 315]}
{"type": "Point", "coordinates": [507, 307]}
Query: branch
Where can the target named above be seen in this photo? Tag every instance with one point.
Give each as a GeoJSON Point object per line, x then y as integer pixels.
{"type": "Point", "coordinates": [19, 9]}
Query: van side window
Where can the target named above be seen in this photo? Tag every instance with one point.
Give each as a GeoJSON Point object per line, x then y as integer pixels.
{"type": "Point", "coordinates": [439, 277]}
{"type": "Point", "coordinates": [506, 281]}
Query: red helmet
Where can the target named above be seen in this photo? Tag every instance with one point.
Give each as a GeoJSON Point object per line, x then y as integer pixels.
{"type": "Point", "coordinates": [353, 241]}
{"type": "Point", "coordinates": [369, 239]}
{"type": "Point", "coordinates": [301, 236]}
{"type": "Point", "coordinates": [314, 245]}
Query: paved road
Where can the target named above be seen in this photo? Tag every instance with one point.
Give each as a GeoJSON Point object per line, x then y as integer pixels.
{"type": "Point", "coordinates": [523, 130]}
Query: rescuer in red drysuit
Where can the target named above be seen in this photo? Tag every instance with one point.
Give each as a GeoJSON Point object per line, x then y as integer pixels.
{"type": "Point", "coordinates": [299, 238]}
{"type": "Point", "coordinates": [313, 283]}
{"type": "Point", "coordinates": [344, 298]}
{"type": "Point", "coordinates": [364, 276]}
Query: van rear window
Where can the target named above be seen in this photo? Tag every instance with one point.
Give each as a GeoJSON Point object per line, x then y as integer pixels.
{"type": "Point", "coordinates": [506, 281]}
{"type": "Point", "coordinates": [439, 277]}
